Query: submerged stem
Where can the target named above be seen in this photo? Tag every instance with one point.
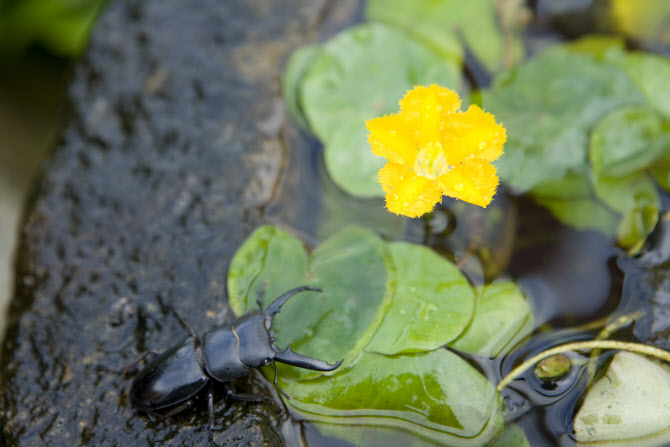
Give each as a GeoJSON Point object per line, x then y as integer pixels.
{"type": "Point", "coordinates": [583, 346]}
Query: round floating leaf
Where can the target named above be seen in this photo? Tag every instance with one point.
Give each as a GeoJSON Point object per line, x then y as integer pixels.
{"type": "Point", "coordinates": [355, 272]}
{"type": "Point", "coordinates": [293, 74]}
{"type": "Point", "coordinates": [271, 255]}
{"type": "Point", "coordinates": [358, 75]}
{"type": "Point", "coordinates": [629, 403]}
{"type": "Point", "coordinates": [635, 197]}
{"type": "Point", "coordinates": [502, 318]}
{"type": "Point", "coordinates": [635, 226]}
{"type": "Point", "coordinates": [439, 22]}
{"type": "Point", "coordinates": [436, 395]}
{"type": "Point", "coordinates": [549, 105]}
{"type": "Point", "coordinates": [433, 23]}
{"type": "Point", "coordinates": [598, 45]}
{"type": "Point", "coordinates": [585, 213]}
{"type": "Point", "coordinates": [626, 193]}
{"type": "Point", "coordinates": [355, 171]}
{"type": "Point", "coordinates": [572, 201]}
{"type": "Point", "coordinates": [660, 170]}
{"type": "Point", "coordinates": [650, 72]}
{"type": "Point", "coordinates": [627, 140]}
{"type": "Point", "coordinates": [432, 304]}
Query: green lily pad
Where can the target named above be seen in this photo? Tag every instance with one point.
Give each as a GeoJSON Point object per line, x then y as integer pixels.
{"type": "Point", "coordinates": [293, 74]}
{"type": "Point", "coordinates": [635, 226]}
{"type": "Point", "coordinates": [635, 197]}
{"type": "Point", "coordinates": [438, 23]}
{"type": "Point", "coordinates": [650, 73]}
{"type": "Point", "coordinates": [358, 75]}
{"type": "Point", "coordinates": [584, 213]}
{"type": "Point", "coordinates": [355, 171]}
{"type": "Point", "coordinates": [549, 105]}
{"type": "Point", "coordinates": [353, 268]}
{"type": "Point", "coordinates": [426, 21]}
{"type": "Point", "coordinates": [436, 395]}
{"type": "Point", "coordinates": [572, 201]}
{"type": "Point", "coordinates": [629, 403]}
{"type": "Point", "coordinates": [598, 45]}
{"type": "Point", "coordinates": [502, 318]}
{"type": "Point", "coordinates": [370, 436]}
{"type": "Point", "coordinates": [625, 193]}
{"type": "Point", "coordinates": [627, 140]}
{"type": "Point", "coordinates": [660, 170]}
{"type": "Point", "coordinates": [432, 304]}
{"type": "Point", "coordinates": [269, 254]}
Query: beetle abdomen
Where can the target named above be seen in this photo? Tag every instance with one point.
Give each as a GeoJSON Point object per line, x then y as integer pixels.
{"type": "Point", "coordinates": [169, 379]}
{"type": "Point", "coordinates": [220, 350]}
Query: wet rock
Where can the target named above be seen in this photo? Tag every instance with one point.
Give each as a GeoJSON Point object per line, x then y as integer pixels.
{"type": "Point", "coordinates": [172, 151]}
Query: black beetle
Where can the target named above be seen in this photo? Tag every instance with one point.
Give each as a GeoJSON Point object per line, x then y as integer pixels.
{"type": "Point", "coordinates": [171, 379]}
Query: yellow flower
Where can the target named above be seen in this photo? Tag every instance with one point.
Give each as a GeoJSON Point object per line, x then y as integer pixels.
{"type": "Point", "coordinates": [435, 149]}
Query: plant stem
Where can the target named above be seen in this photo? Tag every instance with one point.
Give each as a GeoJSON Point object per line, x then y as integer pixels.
{"type": "Point", "coordinates": [583, 346]}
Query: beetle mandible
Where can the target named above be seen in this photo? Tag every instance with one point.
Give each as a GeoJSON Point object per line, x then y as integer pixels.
{"type": "Point", "coordinates": [171, 379]}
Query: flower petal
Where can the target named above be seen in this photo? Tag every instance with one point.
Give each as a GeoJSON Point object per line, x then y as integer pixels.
{"type": "Point", "coordinates": [407, 193]}
{"type": "Point", "coordinates": [424, 108]}
{"type": "Point", "coordinates": [475, 133]}
{"type": "Point", "coordinates": [390, 138]}
{"type": "Point", "coordinates": [473, 181]}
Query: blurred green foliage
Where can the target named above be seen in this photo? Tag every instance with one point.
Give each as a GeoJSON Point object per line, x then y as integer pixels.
{"type": "Point", "coordinates": [59, 26]}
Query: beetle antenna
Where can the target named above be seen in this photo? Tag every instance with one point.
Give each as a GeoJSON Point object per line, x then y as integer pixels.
{"type": "Point", "coordinates": [183, 323]}
{"type": "Point", "coordinates": [279, 302]}
{"type": "Point", "coordinates": [277, 386]}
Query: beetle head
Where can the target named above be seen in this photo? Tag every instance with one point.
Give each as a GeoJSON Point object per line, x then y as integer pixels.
{"type": "Point", "coordinates": [287, 355]}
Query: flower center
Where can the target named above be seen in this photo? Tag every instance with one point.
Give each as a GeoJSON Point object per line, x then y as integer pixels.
{"type": "Point", "coordinates": [430, 161]}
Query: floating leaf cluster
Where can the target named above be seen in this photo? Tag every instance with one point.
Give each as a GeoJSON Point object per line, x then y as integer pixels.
{"type": "Point", "coordinates": [387, 309]}
{"type": "Point", "coordinates": [588, 133]}
{"type": "Point", "coordinates": [333, 88]}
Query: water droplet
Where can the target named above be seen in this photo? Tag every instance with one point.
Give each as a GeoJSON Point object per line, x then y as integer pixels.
{"type": "Point", "coordinates": [459, 186]}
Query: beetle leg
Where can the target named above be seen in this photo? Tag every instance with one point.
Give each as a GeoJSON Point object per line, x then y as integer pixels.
{"type": "Point", "coordinates": [277, 386]}
{"type": "Point", "coordinates": [183, 323]}
{"type": "Point", "coordinates": [230, 393]}
{"type": "Point", "coordinates": [302, 361]}
{"type": "Point", "coordinates": [210, 406]}
{"type": "Point", "coordinates": [164, 414]}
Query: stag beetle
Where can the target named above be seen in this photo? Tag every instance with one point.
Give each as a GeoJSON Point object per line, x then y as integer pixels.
{"type": "Point", "coordinates": [171, 379]}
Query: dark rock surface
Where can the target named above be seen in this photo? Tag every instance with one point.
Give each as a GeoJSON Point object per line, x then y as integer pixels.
{"type": "Point", "coordinates": [172, 152]}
